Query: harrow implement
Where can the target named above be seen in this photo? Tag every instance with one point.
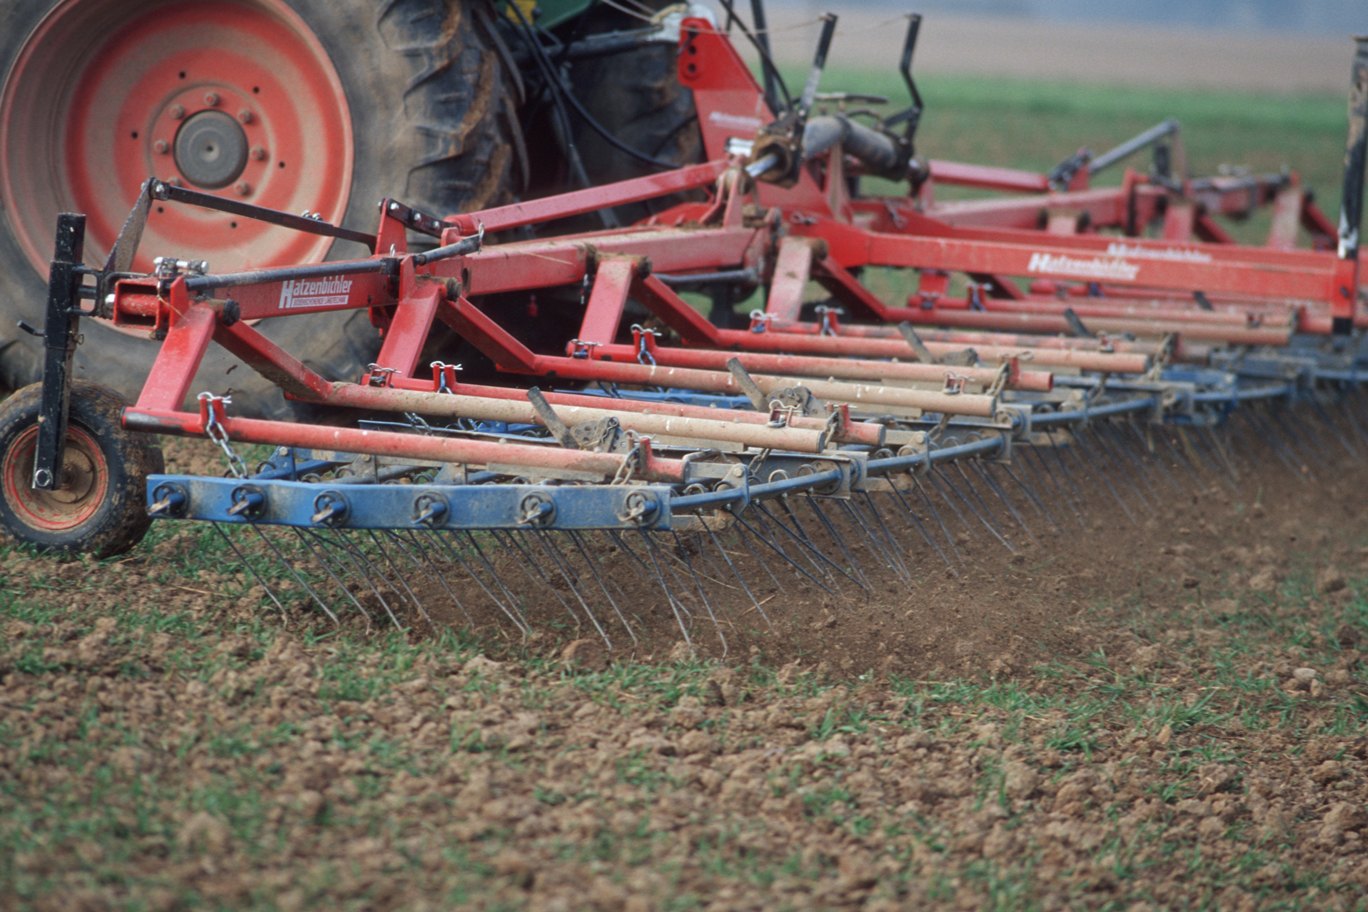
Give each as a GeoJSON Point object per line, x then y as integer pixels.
{"type": "Point", "coordinates": [666, 465]}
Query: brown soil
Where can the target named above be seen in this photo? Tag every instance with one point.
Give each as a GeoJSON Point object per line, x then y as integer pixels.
{"type": "Point", "coordinates": [245, 778]}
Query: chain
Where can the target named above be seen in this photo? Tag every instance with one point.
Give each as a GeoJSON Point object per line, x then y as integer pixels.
{"type": "Point", "coordinates": [628, 466]}
{"type": "Point", "coordinates": [219, 434]}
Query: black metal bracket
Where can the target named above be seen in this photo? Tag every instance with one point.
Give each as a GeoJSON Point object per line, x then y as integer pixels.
{"type": "Point", "coordinates": [308, 223]}
{"type": "Point", "coordinates": [60, 335]}
{"type": "Point", "coordinates": [911, 117]}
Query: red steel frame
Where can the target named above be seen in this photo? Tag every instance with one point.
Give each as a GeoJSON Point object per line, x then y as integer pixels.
{"type": "Point", "coordinates": [789, 236]}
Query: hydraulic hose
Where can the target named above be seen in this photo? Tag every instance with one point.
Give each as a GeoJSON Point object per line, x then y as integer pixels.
{"type": "Point", "coordinates": [880, 153]}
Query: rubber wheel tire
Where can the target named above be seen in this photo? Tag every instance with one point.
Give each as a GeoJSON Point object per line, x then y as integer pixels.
{"type": "Point", "coordinates": [433, 125]}
{"type": "Point", "coordinates": [635, 96]}
{"type": "Point", "coordinates": [101, 508]}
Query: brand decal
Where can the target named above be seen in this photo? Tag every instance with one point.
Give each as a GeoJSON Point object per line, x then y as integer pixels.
{"type": "Point", "coordinates": [314, 292]}
{"type": "Point", "coordinates": [1095, 268]}
{"type": "Point", "coordinates": [1180, 254]}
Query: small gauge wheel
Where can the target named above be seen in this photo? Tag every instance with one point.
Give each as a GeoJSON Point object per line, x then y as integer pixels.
{"type": "Point", "coordinates": [99, 507]}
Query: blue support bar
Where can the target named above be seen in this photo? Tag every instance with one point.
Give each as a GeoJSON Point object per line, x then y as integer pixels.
{"type": "Point", "coordinates": [420, 506]}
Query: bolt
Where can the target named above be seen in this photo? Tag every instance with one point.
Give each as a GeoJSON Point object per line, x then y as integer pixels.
{"type": "Point", "coordinates": [258, 153]}
{"type": "Point", "coordinates": [245, 116]}
{"type": "Point", "coordinates": [176, 112]}
{"type": "Point", "coordinates": [243, 188]}
{"type": "Point", "coordinates": [160, 147]}
{"type": "Point", "coordinates": [211, 99]}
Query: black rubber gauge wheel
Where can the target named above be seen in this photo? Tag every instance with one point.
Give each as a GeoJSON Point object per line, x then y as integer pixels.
{"type": "Point", "coordinates": [100, 508]}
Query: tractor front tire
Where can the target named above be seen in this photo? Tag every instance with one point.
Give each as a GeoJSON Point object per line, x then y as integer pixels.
{"type": "Point", "coordinates": [100, 508]}
{"type": "Point", "coordinates": [323, 106]}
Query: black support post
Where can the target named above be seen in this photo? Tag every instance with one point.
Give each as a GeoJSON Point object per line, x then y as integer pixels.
{"type": "Point", "coordinates": [60, 333]}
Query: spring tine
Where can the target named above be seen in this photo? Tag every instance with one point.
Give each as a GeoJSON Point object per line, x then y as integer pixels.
{"type": "Point", "coordinates": [876, 536]}
{"type": "Point", "coordinates": [806, 542]}
{"type": "Point", "coordinates": [318, 556]}
{"type": "Point", "coordinates": [515, 604]}
{"type": "Point", "coordinates": [931, 482]}
{"type": "Point", "coordinates": [1030, 494]}
{"type": "Point", "coordinates": [598, 578]}
{"type": "Point", "coordinates": [891, 545]}
{"type": "Point", "coordinates": [921, 489]}
{"type": "Point", "coordinates": [702, 592]}
{"type": "Point", "coordinates": [610, 577]}
{"type": "Point", "coordinates": [398, 542]}
{"type": "Point", "coordinates": [437, 575]}
{"type": "Point", "coordinates": [1178, 455]}
{"type": "Point", "coordinates": [997, 489]}
{"type": "Point", "coordinates": [403, 581]}
{"type": "Point", "coordinates": [764, 524]}
{"type": "Point", "coordinates": [737, 573]}
{"type": "Point", "coordinates": [348, 559]}
{"type": "Point", "coordinates": [764, 564]}
{"type": "Point", "coordinates": [242, 558]}
{"type": "Point", "coordinates": [1098, 471]}
{"type": "Point", "coordinates": [508, 611]}
{"type": "Point", "coordinates": [1297, 445]}
{"type": "Point", "coordinates": [741, 520]}
{"type": "Point", "coordinates": [799, 537]}
{"type": "Point", "coordinates": [766, 519]}
{"type": "Point", "coordinates": [680, 612]}
{"type": "Point", "coordinates": [1348, 400]}
{"type": "Point", "coordinates": [290, 565]}
{"type": "Point", "coordinates": [1064, 470]}
{"type": "Point", "coordinates": [1146, 441]}
{"type": "Point", "coordinates": [935, 470]}
{"type": "Point", "coordinates": [973, 489]}
{"type": "Point", "coordinates": [1113, 460]}
{"type": "Point", "coordinates": [363, 563]}
{"type": "Point", "coordinates": [355, 545]}
{"type": "Point", "coordinates": [1271, 438]}
{"type": "Point", "coordinates": [1049, 473]}
{"type": "Point", "coordinates": [526, 560]}
{"type": "Point", "coordinates": [838, 539]}
{"type": "Point", "coordinates": [548, 546]}
{"type": "Point", "coordinates": [1334, 429]}
{"type": "Point", "coordinates": [1116, 444]}
{"type": "Point", "coordinates": [914, 521]}
{"type": "Point", "coordinates": [1199, 459]}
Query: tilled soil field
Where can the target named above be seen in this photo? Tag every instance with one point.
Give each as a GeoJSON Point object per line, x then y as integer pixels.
{"type": "Point", "coordinates": [1166, 713]}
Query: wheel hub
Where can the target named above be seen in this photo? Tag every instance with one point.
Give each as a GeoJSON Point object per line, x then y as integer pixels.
{"type": "Point", "coordinates": [234, 97]}
{"type": "Point", "coordinates": [82, 489]}
{"type": "Point", "coordinates": [211, 149]}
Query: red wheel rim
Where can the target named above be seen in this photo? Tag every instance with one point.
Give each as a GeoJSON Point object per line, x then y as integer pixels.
{"type": "Point", "coordinates": [97, 97]}
{"type": "Point", "coordinates": [85, 481]}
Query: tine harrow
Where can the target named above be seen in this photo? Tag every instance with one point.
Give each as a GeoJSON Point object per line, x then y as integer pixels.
{"type": "Point", "coordinates": [1057, 347]}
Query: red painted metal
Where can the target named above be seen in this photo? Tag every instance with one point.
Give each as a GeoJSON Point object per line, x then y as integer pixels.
{"type": "Point", "coordinates": [1049, 324]}
{"type": "Point", "coordinates": [582, 201]}
{"type": "Point", "coordinates": [789, 239]}
{"type": "Point", "coordinates": [856, 432]}
{"type": "Point", "coordinates": [412, 446]}
{"type": "Point", "coordinates": [842, 368]}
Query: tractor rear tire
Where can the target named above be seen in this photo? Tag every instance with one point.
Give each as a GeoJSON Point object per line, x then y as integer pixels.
{"type": "Point", "coordinates": [636, 97]}
{"type": "Point", "coordinates": [330, 105]}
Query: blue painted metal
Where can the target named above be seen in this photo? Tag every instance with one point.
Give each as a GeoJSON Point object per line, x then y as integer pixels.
{"type": "Point", "coordinates": [419, 506]}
